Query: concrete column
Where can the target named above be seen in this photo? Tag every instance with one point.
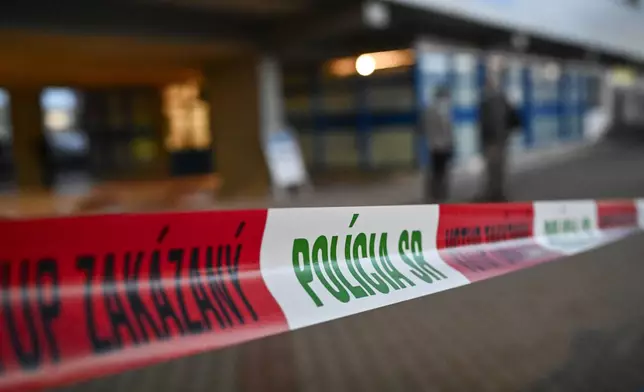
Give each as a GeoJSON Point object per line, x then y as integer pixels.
{"type": "Point", "coordinates": [246, 104]}
{"type": "Point", "coordinates": [148, 114]}
{"type": "Point", "coordinates": [27, 130]}
{"type": "Point", "coordinates": [271, 102]}
{"type": "Point", "coordinates": [161, 126]}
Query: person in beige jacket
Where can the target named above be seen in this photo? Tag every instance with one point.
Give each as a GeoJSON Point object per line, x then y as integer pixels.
{"type": "Point", "coordinates": [437, 125]}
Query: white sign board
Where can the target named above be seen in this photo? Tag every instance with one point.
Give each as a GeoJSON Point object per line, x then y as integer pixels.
{"type": "Point", "coordinates": [284, 159]}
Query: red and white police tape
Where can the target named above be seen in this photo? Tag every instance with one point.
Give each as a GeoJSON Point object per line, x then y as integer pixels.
{"type": "Point", "coordinates": [82, 297]}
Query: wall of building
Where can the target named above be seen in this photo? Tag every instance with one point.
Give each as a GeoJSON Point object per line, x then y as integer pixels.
{"type": "Point", "coordinates": [355, 122]}
{"type": "Point", "coordinates": [371, 123]}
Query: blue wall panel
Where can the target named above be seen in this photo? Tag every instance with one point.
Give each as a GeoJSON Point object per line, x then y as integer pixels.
{"type": "Point", "coordinates": [357, 121]}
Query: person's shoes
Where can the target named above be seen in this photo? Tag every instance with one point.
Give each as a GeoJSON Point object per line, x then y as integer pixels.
{"type": "Point", "coordinates": [433, 200]}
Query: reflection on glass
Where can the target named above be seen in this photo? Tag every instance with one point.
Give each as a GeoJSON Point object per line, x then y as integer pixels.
{"type": "Point", "coordinates": [188, 116]}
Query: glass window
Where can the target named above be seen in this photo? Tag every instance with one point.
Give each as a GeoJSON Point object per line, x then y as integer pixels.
{"type": "Point", "coordinates": [593, 90]}
{"type": "Point", "coordinates": [188, 116]}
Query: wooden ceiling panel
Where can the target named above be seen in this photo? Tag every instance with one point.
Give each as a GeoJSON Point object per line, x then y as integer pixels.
{"type": "Point", "coordinates": [38, 58]}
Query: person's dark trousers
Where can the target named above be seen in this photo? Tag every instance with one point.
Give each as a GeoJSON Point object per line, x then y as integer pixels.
{"type": "Point", "coordinates": [437, 181]}
{"type": "Point", "coordinates": [495, 157]}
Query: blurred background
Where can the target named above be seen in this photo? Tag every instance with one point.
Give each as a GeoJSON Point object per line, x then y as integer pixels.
{"type": "Point", "coordinates": [191, 104]}
{"type": "Point", "coordinates": [157, 105]}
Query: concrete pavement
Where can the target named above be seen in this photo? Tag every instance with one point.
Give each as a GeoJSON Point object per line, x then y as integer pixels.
{"type": "Point", "coordinates": [607, 170]}
{"type": "Point", "coordinates": [574, 171]}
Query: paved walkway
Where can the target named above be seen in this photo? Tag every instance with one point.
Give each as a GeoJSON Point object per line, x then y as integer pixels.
{"type": "Point", "coordinates": [465, 183]}
{"type": "Point", "coordinates": [574, 171]}
{"type": "Point", "coordinates": [408, 188]}
{"type": "Point", "coordinates": [534, 174]}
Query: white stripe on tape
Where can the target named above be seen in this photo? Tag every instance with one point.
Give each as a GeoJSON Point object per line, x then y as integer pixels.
{"type": "Point", "coordinates": [567, 227]}
{"type": "Point", "coordinates": [639, 203]}
{"type": "Point", "coordinates": [321, 264]}
{"type": "Point", "coordinates": [384, 255]}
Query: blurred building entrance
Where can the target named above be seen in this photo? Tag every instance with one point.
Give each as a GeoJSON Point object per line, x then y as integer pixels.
{"type": "Point", "coordinates": [63, 148]}
{"type": "Point", "coordinates": [66, 141]}
{"type": "Point", "coordinates": [188, 138]}
{"type": "Point", "coordinates": [147, 132]}
{"type": "Point", "coordinates": [124, 127]}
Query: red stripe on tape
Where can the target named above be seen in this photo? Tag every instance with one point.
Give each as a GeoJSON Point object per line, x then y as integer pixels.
{"type": "Point", "coordinates": [472, 224]}
{"type": "Point", "coordinates": [616, 213]}
{"type": "Point", "coordinates": [466, 234]}
{"type": "Point", "coordinates": [88, 296]}
{"type": "Point", "coordinates": [94, 295]}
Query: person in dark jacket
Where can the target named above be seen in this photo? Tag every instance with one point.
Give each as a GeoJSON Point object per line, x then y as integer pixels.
{"type": "Point", "coordinates": [437, 125]}
{"type": "Point", "coordinates": [495, 122]}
